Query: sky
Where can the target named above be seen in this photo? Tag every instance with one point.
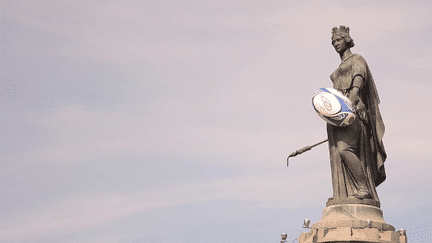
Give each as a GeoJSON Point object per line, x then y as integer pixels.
{"type": "Point", "coordinates": [170, 121]}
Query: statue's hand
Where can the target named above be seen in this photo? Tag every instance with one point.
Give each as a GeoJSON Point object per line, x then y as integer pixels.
{"type": "Point", "coordinates": [361, 111]}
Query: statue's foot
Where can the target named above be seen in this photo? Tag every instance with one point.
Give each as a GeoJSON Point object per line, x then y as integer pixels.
{"type": "Point", "coordinates": [362, 194]}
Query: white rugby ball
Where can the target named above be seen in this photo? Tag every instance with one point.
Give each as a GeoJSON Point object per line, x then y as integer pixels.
{"type": "Point", "coordinates": [334, 107]}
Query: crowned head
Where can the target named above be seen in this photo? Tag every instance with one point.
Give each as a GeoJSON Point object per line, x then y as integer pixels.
{"type": "Point", "coordinates": [343, 32]}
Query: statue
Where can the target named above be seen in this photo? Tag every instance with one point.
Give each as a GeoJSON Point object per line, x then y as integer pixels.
{"type": "Point", "coordinates": [357, 158]}
{"type": "Point", "coordinates": [357, 152]}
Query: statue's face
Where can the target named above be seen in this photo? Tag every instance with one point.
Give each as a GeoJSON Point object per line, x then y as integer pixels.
{"type": "Point", "coordinates": [339, 44]}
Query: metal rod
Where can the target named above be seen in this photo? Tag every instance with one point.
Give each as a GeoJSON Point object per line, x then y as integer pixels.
{"type": "Point", "coordinates": [302, 150]}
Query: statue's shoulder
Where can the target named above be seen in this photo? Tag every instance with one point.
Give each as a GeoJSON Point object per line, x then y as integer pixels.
{"type": "Point", "coordinates": [357, 58]}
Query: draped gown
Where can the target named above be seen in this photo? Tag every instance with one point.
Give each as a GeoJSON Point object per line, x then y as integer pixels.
{"type": "Point", "coordinates": [364, 136]}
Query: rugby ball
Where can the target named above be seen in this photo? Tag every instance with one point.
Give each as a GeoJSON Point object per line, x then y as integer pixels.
{"type": "Point", "coordinates": [334, 107]}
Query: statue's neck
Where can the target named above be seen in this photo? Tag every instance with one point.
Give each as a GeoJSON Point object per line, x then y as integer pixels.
{"type": "Point", "coordinates": [345, 54]}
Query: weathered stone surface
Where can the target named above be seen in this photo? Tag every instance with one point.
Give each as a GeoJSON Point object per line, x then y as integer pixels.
{"type": "Point", "coordinates": [352, 215]}
{"type": "Point", "coordinates": [357, 153]}
{"type": "Point", "coordinates": [352, 223]}
{"type": "Point", "coordinates": [339, 201]}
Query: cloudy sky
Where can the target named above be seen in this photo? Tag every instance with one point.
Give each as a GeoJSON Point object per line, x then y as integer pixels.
{"type": "Point", "coordinates": [170, 121]}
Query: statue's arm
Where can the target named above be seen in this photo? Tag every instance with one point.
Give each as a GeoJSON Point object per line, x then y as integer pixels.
{"type": "Point", "coordinates": [354, 94]}
{"type": "Point", "coordinates": [359, 71]}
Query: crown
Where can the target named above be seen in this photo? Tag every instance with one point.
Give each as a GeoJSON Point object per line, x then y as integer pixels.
{"type": "Point", "coordinates": [342, 29]}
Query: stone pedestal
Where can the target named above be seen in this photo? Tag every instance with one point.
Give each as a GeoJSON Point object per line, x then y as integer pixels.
{"type": "Point", "coordinates": [352, 223]}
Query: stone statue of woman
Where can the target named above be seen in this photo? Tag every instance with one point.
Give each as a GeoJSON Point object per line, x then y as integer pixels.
{"type": "Point", "coordinates": [357, 152]}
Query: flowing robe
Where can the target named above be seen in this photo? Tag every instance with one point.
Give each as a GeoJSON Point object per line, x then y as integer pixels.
{"type": "Point", "coordinates": [364, 136]}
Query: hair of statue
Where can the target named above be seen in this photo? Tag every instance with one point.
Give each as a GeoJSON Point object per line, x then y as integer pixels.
{"type": "Point", "coordinates": [344, 33]}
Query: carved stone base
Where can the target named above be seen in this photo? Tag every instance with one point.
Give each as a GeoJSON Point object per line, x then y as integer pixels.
{"type": "Point", "coordinates": [352, 223]}
{"type": "Point", "coordinates": [339, 201]}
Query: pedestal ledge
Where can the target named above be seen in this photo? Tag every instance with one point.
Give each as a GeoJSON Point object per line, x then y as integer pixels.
{"type": "Point", "coordinates": [352, 215]}
{"type": "Point", "coordinates": [338, 201]}
{"type": "Point", "coordinates": [352, 223]}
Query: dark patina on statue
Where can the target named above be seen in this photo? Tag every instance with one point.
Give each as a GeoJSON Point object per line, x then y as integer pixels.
{"type": "Point", "coordinates": [357, 160]}
{"type": "Point", "coordinates": [357, 152]}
